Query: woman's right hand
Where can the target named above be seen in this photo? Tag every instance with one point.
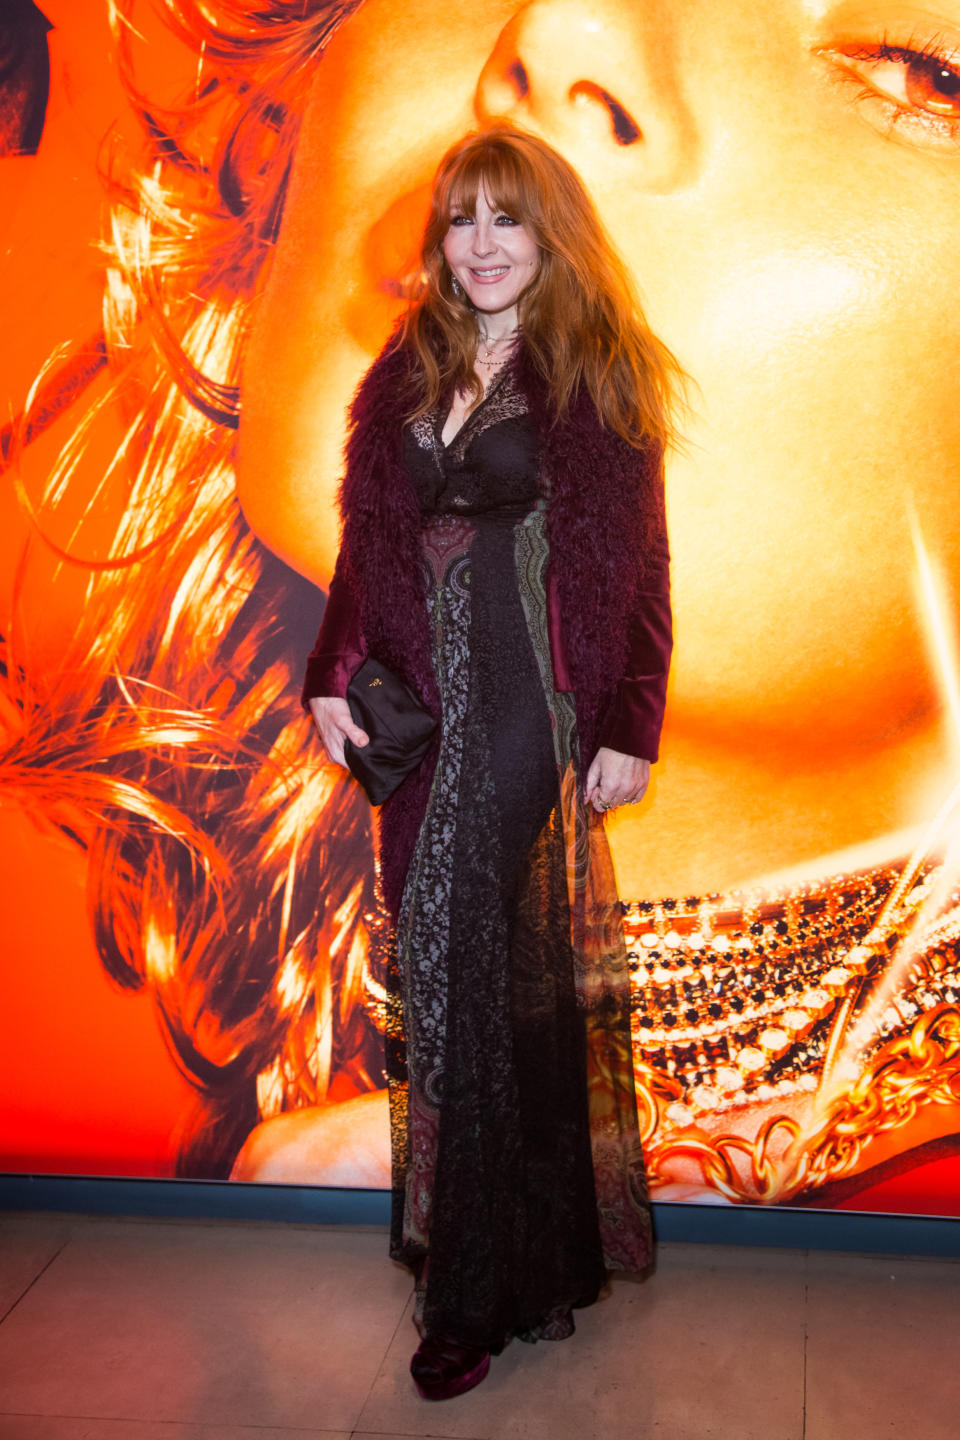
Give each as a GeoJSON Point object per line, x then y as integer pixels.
{"type": "Point", "coordinates": [335, 724]}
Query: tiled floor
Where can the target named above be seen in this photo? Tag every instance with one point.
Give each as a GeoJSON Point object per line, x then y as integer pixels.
{"type": "Point", "coordinates": [173, 1330]}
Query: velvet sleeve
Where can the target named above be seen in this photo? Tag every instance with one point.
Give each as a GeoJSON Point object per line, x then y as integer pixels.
{"type": "Point", "coordinates": [339, 650]}
{"type": "Point", "coordinates": [634, 719]}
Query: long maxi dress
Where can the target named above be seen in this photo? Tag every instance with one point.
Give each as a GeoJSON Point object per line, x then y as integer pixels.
{"type": "Point", "coordinates": [518, 1173]}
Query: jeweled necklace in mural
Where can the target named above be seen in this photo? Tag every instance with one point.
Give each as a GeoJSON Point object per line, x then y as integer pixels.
{"type": "Point", "coordinates": [747, 999]}
{"type": "Point", "coordinates": [740, 1000]}
{"type": "Point", "coordinates": [733, 995]}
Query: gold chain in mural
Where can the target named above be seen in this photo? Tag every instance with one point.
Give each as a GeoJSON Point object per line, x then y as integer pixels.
{"type": "Point", "coordinates": [919, 1069]}
{"type": "Point", "coordinates": [754, 999]}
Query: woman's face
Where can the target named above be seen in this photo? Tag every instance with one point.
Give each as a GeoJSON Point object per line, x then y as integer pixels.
{"type": "Point", "coordinates": [783, 178]}
{"type": "Point", "coordinates": [492, 256]}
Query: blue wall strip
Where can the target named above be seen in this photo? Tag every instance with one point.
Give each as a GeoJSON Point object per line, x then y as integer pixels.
{"type": "Point", "coordinates": [305, 1204]}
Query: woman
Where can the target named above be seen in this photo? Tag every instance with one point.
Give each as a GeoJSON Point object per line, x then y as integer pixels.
{"type": "Point", "coordinates": [503, 479]}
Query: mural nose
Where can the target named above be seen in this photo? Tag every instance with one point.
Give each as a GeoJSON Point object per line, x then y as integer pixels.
{"type": "Point", "coordinates": [588, 75]}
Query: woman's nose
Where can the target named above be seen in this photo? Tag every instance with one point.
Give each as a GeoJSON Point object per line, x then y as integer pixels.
{"type": "Point", "coordinates": [589, 73]}
{"type": "Point", "coordinates": [484, 239]}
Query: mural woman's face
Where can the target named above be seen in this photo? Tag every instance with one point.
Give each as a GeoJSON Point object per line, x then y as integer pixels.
{"type": "Point", "coordinates": [782, 177]}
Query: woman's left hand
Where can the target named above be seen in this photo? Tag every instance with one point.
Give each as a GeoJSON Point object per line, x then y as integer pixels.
{"type": "Point", "coordinates": [615, 779]}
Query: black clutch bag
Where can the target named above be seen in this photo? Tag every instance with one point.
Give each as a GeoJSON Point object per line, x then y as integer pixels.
{"type": "Point", "coordinates": [400, 729]}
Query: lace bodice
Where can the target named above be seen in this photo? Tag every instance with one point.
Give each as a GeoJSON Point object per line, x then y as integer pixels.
{"type": "Point", "coordinates": [491, 463]}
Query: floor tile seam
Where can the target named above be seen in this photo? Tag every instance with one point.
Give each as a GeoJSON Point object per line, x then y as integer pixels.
{"type": "Point", "coordinates": [411, 1434]}
{"type": "Point", "coordinates": [885, 1257]}
{"type": "Point", "coordinates": [27, 1288]}
{"type": "Point", "coordinates": [359, 1428]}
{"type": "Point", "coordinates": [182, 1424]}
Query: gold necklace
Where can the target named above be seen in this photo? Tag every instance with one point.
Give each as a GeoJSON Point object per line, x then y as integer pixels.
{"type": "Point", "coordinates": [490, 358]}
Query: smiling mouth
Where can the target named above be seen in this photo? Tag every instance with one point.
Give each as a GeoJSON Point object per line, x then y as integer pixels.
{"type": "Point", "coordinates": [494, 273]}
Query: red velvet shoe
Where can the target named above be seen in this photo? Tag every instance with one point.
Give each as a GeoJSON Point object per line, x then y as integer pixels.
{"type": "Point", "coordinates": [444, 1368]}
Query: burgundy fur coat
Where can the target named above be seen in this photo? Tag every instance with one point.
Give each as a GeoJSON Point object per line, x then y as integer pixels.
{"type": "Point", "coordinates": [607, 586]}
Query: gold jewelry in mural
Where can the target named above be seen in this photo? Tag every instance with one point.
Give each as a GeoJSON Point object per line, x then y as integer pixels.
{"type": "Point", "coordinates": [813, 1018]}
{"type": "Point", "coordinates": [831, 1009]}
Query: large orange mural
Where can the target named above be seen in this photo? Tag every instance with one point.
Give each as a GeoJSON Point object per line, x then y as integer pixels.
{"type": "Point", "coordinates": [209, 212]}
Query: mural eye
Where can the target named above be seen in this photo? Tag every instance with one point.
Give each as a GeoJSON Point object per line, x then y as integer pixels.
{"type": "Point", "coordinates": [934, 86]}
{"type": "Point", "coordinates": [24, 77]}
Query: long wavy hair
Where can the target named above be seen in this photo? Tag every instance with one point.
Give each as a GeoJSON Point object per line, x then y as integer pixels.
{"type": "Point", "coordinates": [230, 871]}
{"type": "Point", "coordinates": [581, 319]}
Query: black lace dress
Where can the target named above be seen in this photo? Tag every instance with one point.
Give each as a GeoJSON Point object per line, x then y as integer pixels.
{"type": "Point", "coordinates": [517, 1168]}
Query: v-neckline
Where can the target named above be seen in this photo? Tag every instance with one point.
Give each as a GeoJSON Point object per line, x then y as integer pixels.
{"type": "Point", "coordinates": [494, 383]}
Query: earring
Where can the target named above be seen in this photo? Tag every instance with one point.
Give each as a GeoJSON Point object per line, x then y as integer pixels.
{"type": "Point", "coordinates": [455, 286]}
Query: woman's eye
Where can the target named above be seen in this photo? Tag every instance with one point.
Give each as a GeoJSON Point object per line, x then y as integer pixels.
{"type": "Point", "coordinates": [460, 220]}
{"type": "Point", "coordinates": [914, 91]}
{"type": "Point", "coordinates": [506, 220]}
{"type": "Point", "coordinates": [24, 77]}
